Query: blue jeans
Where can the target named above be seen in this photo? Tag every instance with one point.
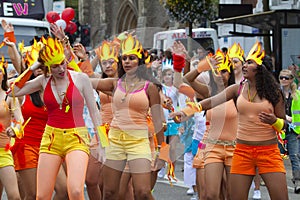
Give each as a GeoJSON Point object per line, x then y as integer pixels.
{"type": "Point", "coordinates": [293, 149]}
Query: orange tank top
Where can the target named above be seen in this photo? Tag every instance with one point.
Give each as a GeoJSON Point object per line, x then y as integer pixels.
{"type": "Point", "coordinates": [222, 121]}
{"type": "Point", "coordinates": [130, 114]}
{"type": "Point", "coordinates": [105, 109]}
{"type": "Point", "coordinates": [250, 128]}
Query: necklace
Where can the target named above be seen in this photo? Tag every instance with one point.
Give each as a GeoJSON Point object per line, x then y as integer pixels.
{"type": "Point", "coordinates": [249, 96]}
{"type": "Point", "coordinates": [62, 97]}
{"type": "Point", "coordinates": [127, 89]}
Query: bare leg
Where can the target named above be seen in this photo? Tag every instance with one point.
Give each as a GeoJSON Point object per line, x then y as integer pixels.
{"type": "Point", "coordinates": [240, 185]}
{"type": "Point", "coordinates": [61, 192]}
{"type": "Point", "coordinates": [141, 178]}
{"type": "Point", "coordinates": [213, 176]}
{"type": "Point", "coordinates": [276, 184]}
{"type": "Point", "coordinates": [93, 179]}
{"type": "Point", "coordinates": [76, 162]}
{"type": "Point", "coordinates": [112, 171]}
{"type": "Point", "coordinates": [9, 181]}
{"type": "Point", "coordinates": [126, 189]}
{"type": "Point", "coordinates": [28, 183]}
{"type": "Point", "coordinates": [48, 167]}
{"type": "Point", "coordinates": [200, 181]}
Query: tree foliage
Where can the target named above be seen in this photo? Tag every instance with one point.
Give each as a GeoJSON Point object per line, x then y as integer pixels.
{"type": "Point", "coordinates": [190, 10]}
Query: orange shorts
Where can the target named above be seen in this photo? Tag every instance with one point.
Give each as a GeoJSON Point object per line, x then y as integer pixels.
{"type": "Point", "coordinates": [216, 153]}
{"type": "Point", "coordinates": [26, 157]}
{"type": "Point", "coordinates": [198, 161]}
{"type": "Point", "coordinates": [247, 158]}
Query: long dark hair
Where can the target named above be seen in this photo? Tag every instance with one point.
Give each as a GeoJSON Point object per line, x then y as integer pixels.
{"type": "Point", "coordinates": [4, 84]}
{"type": "Point", "coordinates": [36, 97]}
{"type": "Point", "coordinates": [266, 85]}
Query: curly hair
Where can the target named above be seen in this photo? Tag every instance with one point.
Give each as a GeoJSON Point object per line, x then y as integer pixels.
{"type": "Point", "coordinates": [266, 85]}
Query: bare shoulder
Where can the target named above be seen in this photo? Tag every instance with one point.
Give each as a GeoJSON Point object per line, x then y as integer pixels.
{"type": "Point", "coordinates": [152, 88]}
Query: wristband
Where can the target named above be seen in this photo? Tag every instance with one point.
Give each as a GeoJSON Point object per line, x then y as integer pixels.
{"type": "Point", "coordinates": [192, 108]}
{"type": "Point", "coordinates": [102, 135]}
{"type": "Point", "coordinates": [10, 36]}
{"type": "Point", "coordinates": [278, 124]}
{"type": "Point", "coordinates": [178, 62]}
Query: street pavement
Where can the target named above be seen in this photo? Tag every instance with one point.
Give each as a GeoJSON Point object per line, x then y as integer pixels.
{"type": "Point", "coordinates": [164, 191]}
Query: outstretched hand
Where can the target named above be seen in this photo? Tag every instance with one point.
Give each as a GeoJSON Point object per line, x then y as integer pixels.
{"type": "Point", "coordinates": [215, 60]}
{"type": "Point", "coordinates": [79, 51]}
{"type": "Point", "coordinates": [57, 31]}
{"type": "Point", "coordinates": [178, 48]}
{"type": "Point", "coordinates": [8, 43]}
{"type": "Point", "coordinates": [7, 27]}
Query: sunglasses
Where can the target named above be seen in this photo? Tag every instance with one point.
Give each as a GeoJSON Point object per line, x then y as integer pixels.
{"type": "Point", "coordinates": [285, 77]}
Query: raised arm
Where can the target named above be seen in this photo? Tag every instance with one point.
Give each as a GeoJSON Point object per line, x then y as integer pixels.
{"type": "Point", "coordinates": [13, 55]}
{"type": "Point", "coordinates": [21, 86]}
{"type": "Point", "coordinates": [104, 85]}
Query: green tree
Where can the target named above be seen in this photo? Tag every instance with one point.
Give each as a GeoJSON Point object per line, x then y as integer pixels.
{"type": "Point", "coordinates": [190, 11]}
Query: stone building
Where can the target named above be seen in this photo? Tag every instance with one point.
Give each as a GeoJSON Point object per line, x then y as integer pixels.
{"type": "Point", "coordinates": [110, 17]}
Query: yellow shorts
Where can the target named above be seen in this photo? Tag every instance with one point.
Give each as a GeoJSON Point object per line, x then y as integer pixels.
{"type": "Point", "coordinates": [6, 158]}
{"type": "Point", "coordinates": [216, 153]}
{"type": "Point", "coordinates": [247, 158]}
{"type": "Point", "coordinates": [128, 145]}
{"type": "Point", "coordinates": [62, 141]}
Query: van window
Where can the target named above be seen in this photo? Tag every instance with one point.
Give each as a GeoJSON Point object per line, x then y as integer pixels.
{"type": "Point", "coordinates": [23, 33]}
{"type": "Point", "coordinates": [197, 42]}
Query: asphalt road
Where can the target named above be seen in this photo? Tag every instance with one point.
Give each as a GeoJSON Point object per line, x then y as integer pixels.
{"type": "Point", "coordinates": [163, 190]}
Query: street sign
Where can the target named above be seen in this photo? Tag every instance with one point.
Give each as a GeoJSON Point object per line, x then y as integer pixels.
{"type": "Point", "coordinates": [33, 9]}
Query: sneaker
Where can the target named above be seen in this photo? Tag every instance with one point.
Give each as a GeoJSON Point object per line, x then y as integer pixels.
{"type": "Point", "coordinates": [190, 191]}
{"type": "Point", "coordinates": [172, 180]}
{"type": "Point", "coordinates": [161, 173]}
{"type": "Point", "coordinates": [256, 194]}
{"type": "Point", "coordinates": [195, 196]}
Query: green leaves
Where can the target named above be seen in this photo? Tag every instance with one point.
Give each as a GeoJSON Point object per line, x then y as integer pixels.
{"type": "Point", "coordinates": [190, 10]}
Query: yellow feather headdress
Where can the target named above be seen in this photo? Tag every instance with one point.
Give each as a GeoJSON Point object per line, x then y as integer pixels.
{"type": "Point", "coordinates": [53, 51]}
{"type": "Point", "coordinates": [236, 51]}
{"type": "Point", "coordinates": [107, 51]}
{"type": "Point", "coordinates": [32, 53]}
{"type": "Point", "coordinates": [131, 45]}
{"type": "Point", "coordinates": [225, 62]}
{"type": "Point", "coordinates": [256, 53]}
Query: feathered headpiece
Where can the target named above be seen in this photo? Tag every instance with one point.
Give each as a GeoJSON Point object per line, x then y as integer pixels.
{"type": "Point", "coordinates": [53, 51]}
{"type": "Point", "coordinates": [256, 53]}
{"type": "Point", "coordinates": [131, 45]}
{"type": "Point", "coordinates": [32, 53]}
{"type": "Point", "coordinates": [225, 62]}
{"type": "Point", "coordinates": [107, 51]}
{"type": "Point", "coordinates": [2, 65]}
{"type": "Point", "coordinates": [236, 51]}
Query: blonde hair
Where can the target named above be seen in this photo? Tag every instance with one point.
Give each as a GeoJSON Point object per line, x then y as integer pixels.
{"type": "Point", "coordinates": [293, 85]}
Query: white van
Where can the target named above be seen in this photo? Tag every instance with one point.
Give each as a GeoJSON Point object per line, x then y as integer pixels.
{"type": "Point", "coordinates": [25, 30]}
{"type": "Point", "coordinates": [205, 37]}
